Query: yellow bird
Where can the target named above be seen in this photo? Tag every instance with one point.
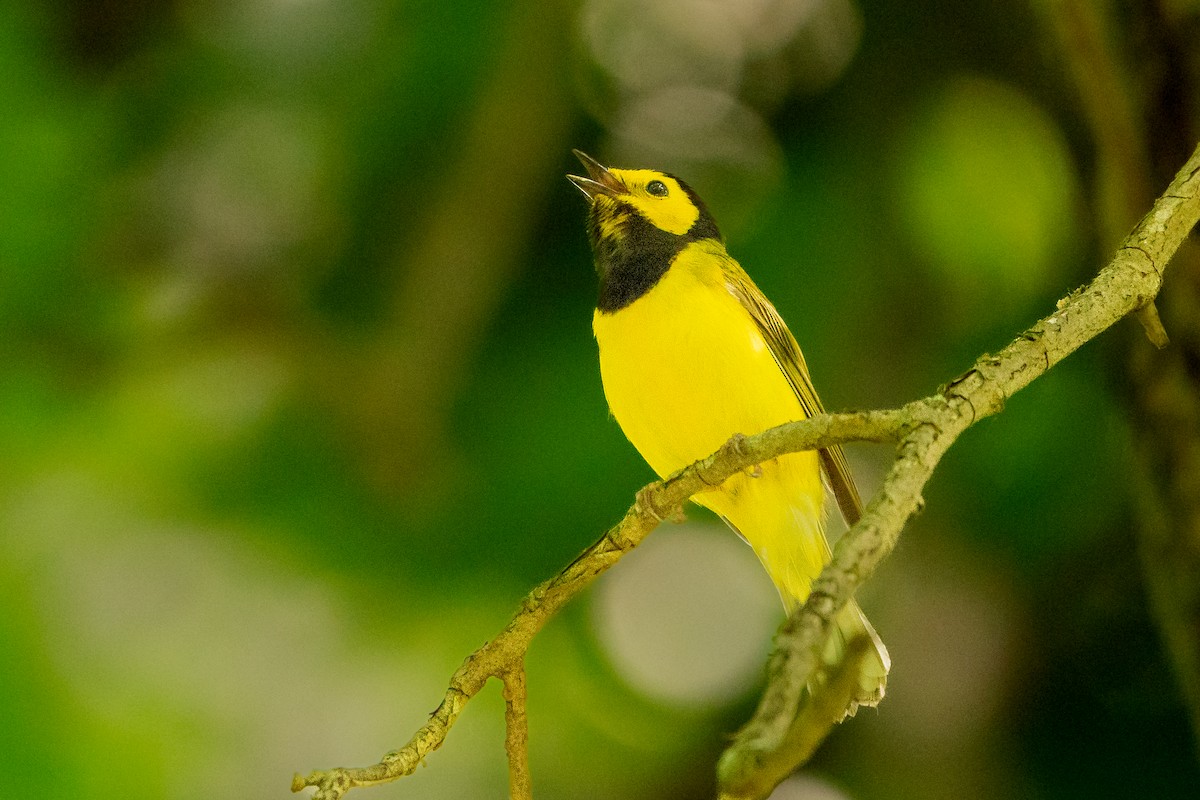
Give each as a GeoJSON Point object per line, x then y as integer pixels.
{"type": "Point", "coordinates": [691, 353]}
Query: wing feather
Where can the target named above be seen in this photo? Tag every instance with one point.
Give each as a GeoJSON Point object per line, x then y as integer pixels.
{"type": "Point", "coordinates": [790, 360]}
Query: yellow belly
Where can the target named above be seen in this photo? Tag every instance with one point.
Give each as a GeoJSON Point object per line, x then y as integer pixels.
{"type": "Point", "coordinates": [684, 368]}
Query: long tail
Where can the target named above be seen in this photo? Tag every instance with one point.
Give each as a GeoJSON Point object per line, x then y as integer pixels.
{"type": "Point", "coordinates": [779, 514]}
{"type": "Point", "coordinates": [792, 548]}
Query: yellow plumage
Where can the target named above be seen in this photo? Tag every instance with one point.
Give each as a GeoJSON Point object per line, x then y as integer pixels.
{"type": "Point", "coordinates": [679, 390]}
{"type": "Point", "coordinates": [692, 353]}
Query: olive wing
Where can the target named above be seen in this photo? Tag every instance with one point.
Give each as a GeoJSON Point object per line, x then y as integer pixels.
{"type": "Point", "coordinates": [790, 360]}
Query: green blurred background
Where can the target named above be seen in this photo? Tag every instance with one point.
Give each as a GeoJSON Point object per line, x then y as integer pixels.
{"type": "Point", "coordinates": [298, 394]}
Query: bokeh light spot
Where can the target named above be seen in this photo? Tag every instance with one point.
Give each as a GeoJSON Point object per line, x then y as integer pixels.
{"type": "Point", "coordinates": [709, 138]}
{"type": "Point", "coordinates": [688, 617]}
{"type": "Point", "coordinates": [807, 787]}
{"type": "Point", "coordinates": [643, 46]}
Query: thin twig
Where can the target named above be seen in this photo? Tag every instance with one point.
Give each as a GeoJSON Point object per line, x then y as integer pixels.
{"type": "Point", "coordinates": [516, 734]}
{"type": "Point", "coordinates": [924, 428]}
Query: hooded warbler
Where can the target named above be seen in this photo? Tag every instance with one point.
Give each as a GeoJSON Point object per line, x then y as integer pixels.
{"type": "Point", "coordinates": [691, 353]}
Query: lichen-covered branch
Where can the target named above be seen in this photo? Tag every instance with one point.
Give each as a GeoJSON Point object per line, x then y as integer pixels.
{"type": "Point", "coordinates": [782, 734]}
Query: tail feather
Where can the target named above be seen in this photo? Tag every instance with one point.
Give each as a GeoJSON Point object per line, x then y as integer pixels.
{"type": "Point", "coordinates": [849, 625]}
{"type": "Point", "coordinates": [785, 528]}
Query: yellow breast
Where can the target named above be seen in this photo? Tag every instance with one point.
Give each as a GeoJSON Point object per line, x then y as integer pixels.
{"type": "Point", "coordinates": [685, 367]}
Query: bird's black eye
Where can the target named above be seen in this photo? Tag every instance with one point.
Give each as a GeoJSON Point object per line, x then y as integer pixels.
{"type": "Point", "coordinates": [657, 188]}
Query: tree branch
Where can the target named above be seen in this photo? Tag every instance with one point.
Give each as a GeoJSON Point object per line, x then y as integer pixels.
{"type": "Point", "coordinates": [781, 735]}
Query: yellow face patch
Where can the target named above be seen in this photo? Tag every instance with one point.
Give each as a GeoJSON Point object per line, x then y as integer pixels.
{"type": "Point", "coordinates": [659, 198]}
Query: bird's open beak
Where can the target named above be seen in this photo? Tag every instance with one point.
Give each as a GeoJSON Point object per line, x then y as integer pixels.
{"type": "Point", "coordinates": [599, 180]}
